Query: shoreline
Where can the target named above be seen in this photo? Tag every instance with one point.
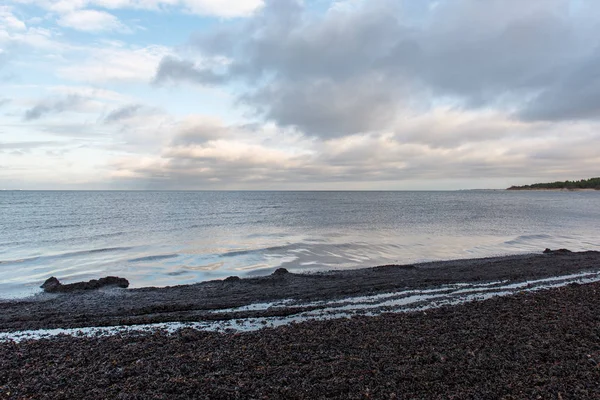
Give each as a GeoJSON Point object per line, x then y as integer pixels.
{"type": "Point", "coordinates": [534, 336]}
{"type": "Point", "coordinates": [529, 345]}
{"type": "Point", "coordinates": [294, 294]}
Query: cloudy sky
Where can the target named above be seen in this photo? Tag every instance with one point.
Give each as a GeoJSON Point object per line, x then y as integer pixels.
{"type": "Point", "coordinates": [290, 94]}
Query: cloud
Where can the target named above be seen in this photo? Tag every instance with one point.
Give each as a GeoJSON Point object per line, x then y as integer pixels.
{"type": "Point", "coordinates": [205, 153]}
{"type": "Point", "coordinates": [357, 69]}
{"type": "Point", "coordinates": [366, 94]}
{"type": "Point", "coordinates": [27, 145]}
{"type": "Point", "coordinates": [222, 8]}
{"type": "Point", "coordinates": [4, 102]}
{"type": "Point", "coordinates": [574, 97]}
{"type": "Point", "coordinates": [36, 38]}
{"type": "Point", "coordinates": [122, 113]}
{"type": "Point", "coordinates": [198, 129]}
{"type": "Point", "coordinates": [171, 69]}
{"type": "Point", "coordinates": [9, 21]}
{"type": "Point", "coordinates": [91, 21]}
{"type": "Point", "coordinates": [116, 63]}
{"type": "Point", "coordinates": [54, 106]}
{"type": "Point", "coordinates": [219, 8]}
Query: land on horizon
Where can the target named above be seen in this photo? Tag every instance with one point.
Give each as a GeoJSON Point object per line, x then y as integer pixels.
{"type": "Point", "coordinates": [589, 184]}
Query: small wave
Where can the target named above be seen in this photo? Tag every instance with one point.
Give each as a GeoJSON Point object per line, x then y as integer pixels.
{"type": "Point", "coordinates": [21, 260]}
{"type": "Point", "coordinates": [65, 255]}
{"type": "Point", "coordinates": [270, 207]}
{"type": "Point", "coordinates": [101, 250]}
{"type": "Point", "coordinates": [526, 238]}
{"type": "Point", "coordinates": [236, 253]}
{"type": "Point", "coordinates": [154, 258]}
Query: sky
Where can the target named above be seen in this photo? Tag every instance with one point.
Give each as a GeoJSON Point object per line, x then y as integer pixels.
{"type": "Point", "coordinates": [298, 95]}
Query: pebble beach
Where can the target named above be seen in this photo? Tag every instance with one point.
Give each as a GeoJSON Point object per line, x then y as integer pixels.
{"type": "Point", "coordinates": [528, 344]}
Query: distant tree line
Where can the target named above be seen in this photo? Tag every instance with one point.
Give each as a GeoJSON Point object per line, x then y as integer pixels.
{"type": "Point", "coordinates": [592, 183]}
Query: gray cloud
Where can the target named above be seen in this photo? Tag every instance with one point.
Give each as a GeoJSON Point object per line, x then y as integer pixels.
{"type": "Point", "coordinates": [355, 71]}
{"type": "Point", "coordinates": [201, 133]}
{"type": "Point", "coordinates": [122, 113]}
{"type": "Point", "coordinates": [54, 106]}
{"type": "Point", "coordinates": [575, 97]}
{"type": "Point", "coordinates": [325, 108]}
{"type": "Point", "coordinates": [172, 69]}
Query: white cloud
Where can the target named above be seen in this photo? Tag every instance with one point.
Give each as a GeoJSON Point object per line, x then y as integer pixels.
{"type": "Point", "coordinates": [91, 92]}
{"type": "Point", "coordinates": [9, 21]}
{"type": "Point", "coordinates": [37, 38]}
{"type": "Point", "coordinates": [114, 63]}
{"type": "Point", "coordinates": [91, 21]}
{"type": "Point", "coordinates": [222, 8]}
{"type": "Point", "coordinates": [219, 8]}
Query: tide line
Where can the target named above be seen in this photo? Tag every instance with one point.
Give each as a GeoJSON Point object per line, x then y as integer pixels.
{"type": "Point", "coordinates": [394, 302]}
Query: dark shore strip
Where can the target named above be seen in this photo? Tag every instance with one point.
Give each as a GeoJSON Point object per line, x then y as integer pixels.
{"type": "Point", "coordinates": [198, 302]}
{"type": "Point", "coordinates": [527, 346]}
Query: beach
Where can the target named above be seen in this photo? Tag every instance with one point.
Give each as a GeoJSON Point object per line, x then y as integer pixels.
{"type": "Point", "coordinates": [290, 199]}
{"type": "Point", "coordinates": [519, 345]}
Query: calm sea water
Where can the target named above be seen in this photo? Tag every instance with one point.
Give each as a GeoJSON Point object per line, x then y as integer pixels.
{"type": "Point", "coordinates": [170, 238]}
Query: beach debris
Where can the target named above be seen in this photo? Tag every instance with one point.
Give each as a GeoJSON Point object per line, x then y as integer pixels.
{"type": "Point", "coordinates": [281, 271]}
{"type": "Point", "coordinates": [53, 285]}
{"type": "Point", "coordinates": [559, 251]}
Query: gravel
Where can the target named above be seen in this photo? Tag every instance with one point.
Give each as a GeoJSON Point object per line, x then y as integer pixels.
{"type": "Point", "coordinates": [109, 307]}
{"type": "Point", "coordinates": [532, 345]}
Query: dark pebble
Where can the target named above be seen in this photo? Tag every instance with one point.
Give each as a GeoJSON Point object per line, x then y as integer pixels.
{"type": "Point", "coordinates": [281, 271]}
{"type": "Point", "coordinates": [531, 345]}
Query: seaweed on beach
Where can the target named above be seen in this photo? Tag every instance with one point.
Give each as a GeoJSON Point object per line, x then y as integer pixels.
{"type": "Point", "coordinates": [532, 345]}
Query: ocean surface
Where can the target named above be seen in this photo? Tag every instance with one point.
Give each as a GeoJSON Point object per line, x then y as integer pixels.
{"type": "Point", "coordinates": [172, 238]}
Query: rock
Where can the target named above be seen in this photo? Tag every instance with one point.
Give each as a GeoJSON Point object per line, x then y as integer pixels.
{"type": "Point", "coordinates": [392, 267]}
{"type": "Point", "coordinates": [53, 285]}
{"type": "Point", "coordinates": [559, 251]}
{"type": "Point", "coordinates": [281, 271]}
{"type": "Point", "coordinates": [232, 279]}
{"type": "Point", "coordinates": [113, 281]}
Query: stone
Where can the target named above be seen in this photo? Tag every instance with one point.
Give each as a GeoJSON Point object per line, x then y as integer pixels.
{"type": "Point", "coordinates": [559, 251]}
{"type": "Point", "coordinates": [281, 271]}
{"type": "Point", "coordinates": [53, 285]}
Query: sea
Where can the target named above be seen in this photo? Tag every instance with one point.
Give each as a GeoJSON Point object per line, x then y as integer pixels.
{"type": "Point", "coordinates": [166, 238]}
